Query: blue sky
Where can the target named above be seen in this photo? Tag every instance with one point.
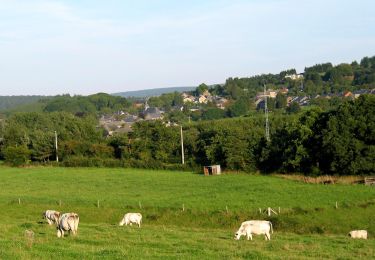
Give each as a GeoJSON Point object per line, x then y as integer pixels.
{"type": "Point", "coordinates": [85, 47]}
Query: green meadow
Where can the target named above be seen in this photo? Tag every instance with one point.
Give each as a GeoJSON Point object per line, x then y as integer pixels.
{"type": "Point", "coordinates": [185, 215]}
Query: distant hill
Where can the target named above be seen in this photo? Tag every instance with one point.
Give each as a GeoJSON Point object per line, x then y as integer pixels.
{"type": "Point", "coordinates": [153, 92]}
{"type": "Point", "coordinates": [10, 102]}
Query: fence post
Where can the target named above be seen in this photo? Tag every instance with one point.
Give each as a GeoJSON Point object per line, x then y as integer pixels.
{"type": "Point", "coordinates": [183, 207]}
{"type": "Point", "coordinates": [98, 204]}
{"type": "Point", "coordinates": [140, 205]}
{"type": "Point", "coordinates": [226, 207]}
{"type": "Point", "coordinates": [19, 201]}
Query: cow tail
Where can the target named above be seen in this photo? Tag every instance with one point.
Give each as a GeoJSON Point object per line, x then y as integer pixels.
{"type": "Point", "coordinates": [271, 226]}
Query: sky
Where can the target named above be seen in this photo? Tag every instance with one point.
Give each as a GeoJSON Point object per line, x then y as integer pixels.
{"type": "Point", "coordinates": [83, 47]}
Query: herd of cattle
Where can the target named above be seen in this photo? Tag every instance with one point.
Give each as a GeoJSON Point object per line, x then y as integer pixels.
{"type": "Point", "coordinates": [68, 222]}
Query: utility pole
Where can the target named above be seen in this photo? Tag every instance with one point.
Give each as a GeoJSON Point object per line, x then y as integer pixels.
{"type": "Point", "coordinates": [266, 114]}
{"type": "Point", "coordinates": [182, 147]}
{"type": "Point", "coordinates": [57, 157]}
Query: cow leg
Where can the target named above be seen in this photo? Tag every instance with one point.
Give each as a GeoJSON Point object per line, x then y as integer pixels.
{"type": "Point", "coordinates": [60, 233]}
{"type": "Point", "coordinates": [49, 222]}
{"type": "Point", "coordinates": [268, 236]}
{"type": "Point", "coordinates": [139, 224]}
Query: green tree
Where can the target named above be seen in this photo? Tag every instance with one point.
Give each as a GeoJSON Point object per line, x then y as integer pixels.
{"type": "Point", "coordinates": [213, 113]}
{"type": "Point", "coordinates": [201, 89]}
{"type": "Point", "coordinates": [16, 155]}
{"type": "Point", "coordinates": [239, 108]}
{"type": "Point", "coordinates": [294, 107]}
{"type": "Point", "coordinates": [281, 101]}
{"type": "Point", "coordinates": [344, 140]}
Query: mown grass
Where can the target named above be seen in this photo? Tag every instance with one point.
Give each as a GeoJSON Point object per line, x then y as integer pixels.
{"type": "Point", "coordinates": [309, 225]}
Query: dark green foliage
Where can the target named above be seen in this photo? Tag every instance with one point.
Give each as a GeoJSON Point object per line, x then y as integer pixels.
{"type": "Point", "coordinates": [121, 146]}
{"type": "Point", "coordinates": [177, 116]}
{"type": "Point", "coordinates": [35, 131]}
{"type": "Point", "coordinates": [201, 89]}
{"type": "Point", "coordinates": [319, 68]}
{"type": "Point", "coordinates": [84, 161]}
{"type": "Point", "coordinates": [239, 108]}
{"type": "Point", "coordinates": [16, 155]}
{"type": "Point", "coordinates": [345, 138]}
{"type": "Point", "coordinates": [280, 101]}
{"type": "Point", "coordinates": [100, 102]}
{"type": "Point", "coordinates": [151, 140]}
{"type": "Point", "coordinates": [340, 141]}
{"type": "Point", "coordinates": [213, 113]}
{"type": "Point", "coordinates": [293, 108]}
{"type": "Point", "coordinates": [166, 101]}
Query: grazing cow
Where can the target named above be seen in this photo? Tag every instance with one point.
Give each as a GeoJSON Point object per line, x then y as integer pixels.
{"type": "Point", "coordinates": [257, 227]}
{"type": "Point", "coordinates": [67, 222]}
{"type": "Point", "coordinates": [358, 234]}
{"type": "Point", "coordinates": [131, 218]}
{"type": "Point", "coordinates": [52, 216]}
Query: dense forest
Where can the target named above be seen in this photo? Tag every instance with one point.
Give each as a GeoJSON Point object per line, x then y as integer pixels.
{"type": "Point", "coordinates": [334, 136]}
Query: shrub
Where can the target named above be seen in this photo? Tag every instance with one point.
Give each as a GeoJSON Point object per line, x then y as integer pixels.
{"type": "Point", "coordinates": [81, 161]}
{"type": "Point", "coordinates": [17, 155]}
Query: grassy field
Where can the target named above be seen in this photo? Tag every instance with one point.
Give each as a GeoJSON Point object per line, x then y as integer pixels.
{"type": "Point", "coordinates": [309, 225]}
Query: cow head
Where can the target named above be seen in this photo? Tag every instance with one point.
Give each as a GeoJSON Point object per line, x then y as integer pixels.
{"type": "Point", "coordinates": [239, 233]}
{"type": "Point", "coordinates": [122, 222]}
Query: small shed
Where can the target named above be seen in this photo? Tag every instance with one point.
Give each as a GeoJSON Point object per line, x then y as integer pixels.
{"type": "Point", "coordinates": [212, 170]}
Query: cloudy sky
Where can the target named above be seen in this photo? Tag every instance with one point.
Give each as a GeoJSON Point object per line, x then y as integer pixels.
{"type": "Point", "coordinates": [89, 46]}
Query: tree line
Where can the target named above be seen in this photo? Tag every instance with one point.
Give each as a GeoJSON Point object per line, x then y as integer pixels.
{"type": "Point", "coordinates": [339, 141]}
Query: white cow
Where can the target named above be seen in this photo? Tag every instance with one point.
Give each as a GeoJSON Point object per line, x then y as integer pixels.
{"type": "Point", "coordinates": [358, 234]}
{"type": "Point", "coordinates": [130, 218]}
{"type": "Point", "coordinates": [257, 227]}
{"type": "Point", "coordinates": [52, 216]}
{"type": "Point", "coordinates": [67, 222]}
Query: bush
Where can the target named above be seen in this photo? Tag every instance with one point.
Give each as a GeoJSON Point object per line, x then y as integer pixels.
{"type": "Point", "coordinates": [81, 161]}
{"type": "Point", "coordinates": [17, 155]}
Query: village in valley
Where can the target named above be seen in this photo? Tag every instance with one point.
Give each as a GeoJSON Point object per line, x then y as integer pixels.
{"type": "Point", "coordinates": [195, 102]}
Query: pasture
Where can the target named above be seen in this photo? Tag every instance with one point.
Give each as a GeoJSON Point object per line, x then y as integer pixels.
{"type": "Point", "coordinates": [309, 225]}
